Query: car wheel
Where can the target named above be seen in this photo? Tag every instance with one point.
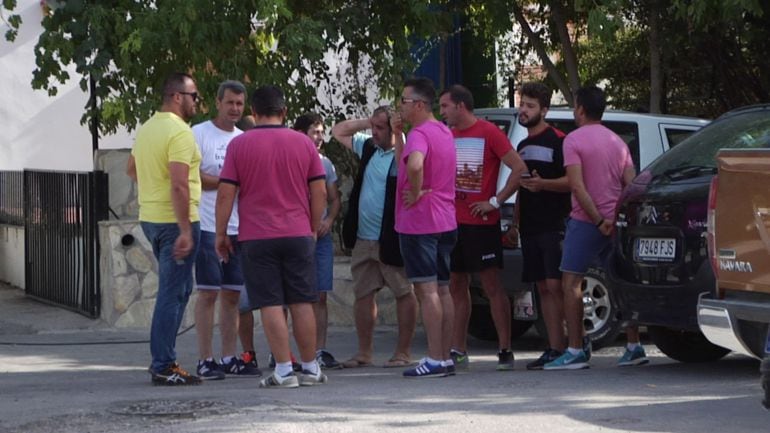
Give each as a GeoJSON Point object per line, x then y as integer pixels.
{"type": "Point", "coordinates": [482, 326]}
{"type": "Point", "coordinates": [685, 346]}
{"type": "Point", "coordinates": [599, 310]}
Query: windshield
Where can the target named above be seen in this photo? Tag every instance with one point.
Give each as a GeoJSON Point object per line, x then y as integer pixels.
{"type": "Point", "coordinates": [749, 130]}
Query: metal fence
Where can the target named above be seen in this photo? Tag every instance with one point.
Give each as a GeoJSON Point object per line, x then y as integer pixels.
{"type": "Point", "coordinates": [61, 237]}
{"type": "Point", "coordinates": [12, 198]}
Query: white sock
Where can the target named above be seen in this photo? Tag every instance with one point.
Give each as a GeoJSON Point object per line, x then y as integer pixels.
{"type": "Point", "coordinates": [432, 361]}
{"type": "Point", "coordinates": [312, 366]}
{"type": "Point", "coordinates": [227, 359]}
{"type": "Point", "coordinates": [447, 362]}
{"type": "Point", "coordinates": [632, 346]}
{"type": "Point", "coordinates": [283, 368]}
{"type": "Point", "coordinates": [574, 351]}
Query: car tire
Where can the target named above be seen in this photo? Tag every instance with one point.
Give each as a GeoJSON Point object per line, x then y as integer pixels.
{"type": "Point", "coordinates": [685, 346]}
{"type": "Point", "coordinates": [600, 318]}
{"type": "Point", "coordinates": [482, 326]}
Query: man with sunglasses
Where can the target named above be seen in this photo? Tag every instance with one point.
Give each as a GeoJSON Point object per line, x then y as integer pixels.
{"type": "Point", "coordinates": [165, 162]}
{"type": "Point", "coordinates": [425, 218]}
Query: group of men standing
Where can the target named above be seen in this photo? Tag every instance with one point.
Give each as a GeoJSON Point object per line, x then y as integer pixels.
{"type": "Point", "coordinates": [253, 213]}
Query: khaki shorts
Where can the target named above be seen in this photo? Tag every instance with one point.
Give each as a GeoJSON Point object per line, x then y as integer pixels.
{"type": "Point", "coordinates": [370, 275]}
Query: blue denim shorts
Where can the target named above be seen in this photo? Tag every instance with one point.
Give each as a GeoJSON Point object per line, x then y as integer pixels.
{"type": "Point", "coordinates": [211, 273]}
{"type": "Point", "coordinates": [426, 257]}
{"type": "Point", "coordinates": [584, 246]}
{"type": "Point", "coordinates": [324, 263]}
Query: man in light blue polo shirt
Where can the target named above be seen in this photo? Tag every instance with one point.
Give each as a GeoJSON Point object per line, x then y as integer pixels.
{"type": "Point", "coordinates": [369, 229]}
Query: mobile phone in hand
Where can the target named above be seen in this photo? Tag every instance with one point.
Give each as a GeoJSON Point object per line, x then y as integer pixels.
{"type": "Point", "coordinates": [526, 175]}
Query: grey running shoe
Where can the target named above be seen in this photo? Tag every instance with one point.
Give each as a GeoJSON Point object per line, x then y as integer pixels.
{"type": "Point", "coordinates": [306, 378]}
{"type": "Point", "coordinates": [276, 381]}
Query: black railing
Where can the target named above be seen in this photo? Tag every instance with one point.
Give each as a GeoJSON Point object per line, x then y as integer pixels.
{"type": "Point", "coordinates": [12, 198]}
{"type": "Point", "coordinates": [61, 237]}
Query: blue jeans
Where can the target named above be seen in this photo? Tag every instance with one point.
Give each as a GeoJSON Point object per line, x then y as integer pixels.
{"type": "Point", "coordinates": [175, 283]}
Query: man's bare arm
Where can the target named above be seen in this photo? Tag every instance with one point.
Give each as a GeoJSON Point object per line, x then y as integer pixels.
{"type": "Point", "coordinates": [345, 130]}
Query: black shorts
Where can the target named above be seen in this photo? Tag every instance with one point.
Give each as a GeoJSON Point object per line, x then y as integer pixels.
{"type": "Point", "coordinates": [478, 247]}
{"type": "Point", "coordinates": [279, 271]}
{"type": "Point", "coordinates": [541, 254]}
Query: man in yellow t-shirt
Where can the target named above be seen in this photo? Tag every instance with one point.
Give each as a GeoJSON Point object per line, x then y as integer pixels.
{"type": "Point", "coordinates": [165, 161]}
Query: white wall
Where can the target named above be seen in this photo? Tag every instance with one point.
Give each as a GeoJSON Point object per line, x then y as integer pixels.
{"type": "Point", "coordinates": [12, 255]}
{"type": "Point", "coordinates": [38, 131]}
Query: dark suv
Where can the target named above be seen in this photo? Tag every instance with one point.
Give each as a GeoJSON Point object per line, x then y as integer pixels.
{"type": "Point", "coordinates": [660, 264]}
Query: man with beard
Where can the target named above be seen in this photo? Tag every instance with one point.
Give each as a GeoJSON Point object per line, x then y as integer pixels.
{"type": "Point", "coordinates": [542, 207]}
{"type": "Point", "coordinates": [481, 148]}
{"type": "Point", "coordinates": [165, 162]}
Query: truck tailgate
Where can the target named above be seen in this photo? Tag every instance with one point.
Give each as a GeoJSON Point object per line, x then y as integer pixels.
{"type": "Point", "coordinates": [742, 221]}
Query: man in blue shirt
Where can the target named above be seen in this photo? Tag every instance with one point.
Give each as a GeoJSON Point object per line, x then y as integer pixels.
{"type": "Point", "coordinates": [376, 260]}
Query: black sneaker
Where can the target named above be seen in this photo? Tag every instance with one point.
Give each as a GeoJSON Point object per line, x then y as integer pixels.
{"type": "Point", "coordinates": [326, 360]}
{"type": "Point", "coordinates": [238, 367]}
{"type": "Point", "coordinates": [174, 375]}
{"type": "Point", "coordinates": [504, 360]}
{"type": "Point", "coordinates": [296, 366]}
{"type": "Point", "coordinates": [249, 365]}
{"type": "Point", "coordinates": [587, 347]}
{"type": "Point", "coordinates": [547, 356]}
{"type": "Point", "coordinates": [210, 370]}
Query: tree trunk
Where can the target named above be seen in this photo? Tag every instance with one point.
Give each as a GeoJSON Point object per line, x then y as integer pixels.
{"type": "Point", "coordinates": [656, 69]}
{"type": "Point", "coordinates": [542, 52]}
{"type": "Point", "coordinates": [567, 50]}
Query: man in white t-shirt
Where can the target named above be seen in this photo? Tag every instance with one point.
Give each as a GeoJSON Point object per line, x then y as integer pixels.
{"type": "Point", "coordinates": [214, 278]}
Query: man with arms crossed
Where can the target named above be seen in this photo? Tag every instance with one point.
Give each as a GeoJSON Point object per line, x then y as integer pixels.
{"type": "Point", "coordinates": [481, 147]}
{"type": "Point", "coordinates": [165, 162]}
{"type": "Point", "coordinates": [369, 222]}
{"type": "Point", "coordinates": [214, 278]}
{"type": "Point", "coordinates": [425, 218]}
{"type": "Point", "coordinates": [599, 166]}
{"type": "Point", "coordinates": [279, 181]}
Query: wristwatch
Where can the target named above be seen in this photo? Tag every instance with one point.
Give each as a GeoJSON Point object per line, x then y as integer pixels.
{"type": "Point", "coordinates": [493, 202]}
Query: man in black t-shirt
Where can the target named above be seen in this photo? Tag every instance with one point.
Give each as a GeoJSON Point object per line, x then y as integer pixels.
{"type": "Point", "coordinates": [542, 207]}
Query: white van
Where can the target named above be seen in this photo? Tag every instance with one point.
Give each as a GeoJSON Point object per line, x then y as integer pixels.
{"type": "Point", "coordinates": [647, 136]}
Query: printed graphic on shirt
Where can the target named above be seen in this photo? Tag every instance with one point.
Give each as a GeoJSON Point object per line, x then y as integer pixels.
{"type": "Point", "coordinates": [470, 164]}
{"type": "Point", "coordinates": [534, 152]}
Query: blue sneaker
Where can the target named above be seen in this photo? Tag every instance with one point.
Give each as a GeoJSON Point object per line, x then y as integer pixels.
{"type": "Point", "coordinates": [633, 357]}
{"type": "Point", "coordinates": [449, 366]}
{"type": "Point", "coordinates": [568, 361]}
{"type": "Point", "coordinates": [426, 369]}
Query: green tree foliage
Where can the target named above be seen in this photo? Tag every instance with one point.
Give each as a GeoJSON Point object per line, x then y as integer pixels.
{"type": "Point", "coordinates": [129, 46]}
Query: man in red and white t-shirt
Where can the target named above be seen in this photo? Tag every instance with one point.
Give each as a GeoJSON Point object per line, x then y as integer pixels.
{"type": "Point", "coordinates": [481, 148]}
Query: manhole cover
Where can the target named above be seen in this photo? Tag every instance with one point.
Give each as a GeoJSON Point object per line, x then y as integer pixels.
{"type": "Point", "coordinates": [173, 408]}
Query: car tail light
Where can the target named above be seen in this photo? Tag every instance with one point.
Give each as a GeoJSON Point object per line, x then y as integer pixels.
{"type": "Point", "coordinates": [711, 226]}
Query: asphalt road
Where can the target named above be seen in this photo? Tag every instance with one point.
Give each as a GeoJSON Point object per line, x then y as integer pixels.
{"type": "Point", "coordinates": [96, 381]}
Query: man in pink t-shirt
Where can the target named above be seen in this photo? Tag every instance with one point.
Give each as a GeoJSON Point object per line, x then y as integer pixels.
{"type": "Point", "coordinates": [281, 189]}
{"type": "Point", "coordinates": [598, 165]}
{"type": "Point", "coordinates": [425, 218]}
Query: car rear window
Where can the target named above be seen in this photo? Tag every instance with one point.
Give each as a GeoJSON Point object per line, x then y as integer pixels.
{"type": "Point", "coordinates": [747, 130]}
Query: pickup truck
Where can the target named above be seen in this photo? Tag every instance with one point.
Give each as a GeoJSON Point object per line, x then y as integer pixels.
{"type": "Point", "coordinates": [737, 316]}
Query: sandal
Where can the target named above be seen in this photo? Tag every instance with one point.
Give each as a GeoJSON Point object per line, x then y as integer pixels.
{"type": "Point", "coordinates": [355, 363]}
{"type": "Point", "coordinates": [397, 362]}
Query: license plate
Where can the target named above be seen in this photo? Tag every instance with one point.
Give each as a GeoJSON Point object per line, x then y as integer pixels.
{"type": "Point", "coordinates": [655, 249]}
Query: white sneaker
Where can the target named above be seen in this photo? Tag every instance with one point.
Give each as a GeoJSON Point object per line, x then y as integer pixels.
{"type": "Point", "coordinates": [276, 381]}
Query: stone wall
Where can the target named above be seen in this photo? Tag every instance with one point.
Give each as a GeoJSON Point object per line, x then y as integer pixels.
{"type": "Point", "coordinates": [129, 282]}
